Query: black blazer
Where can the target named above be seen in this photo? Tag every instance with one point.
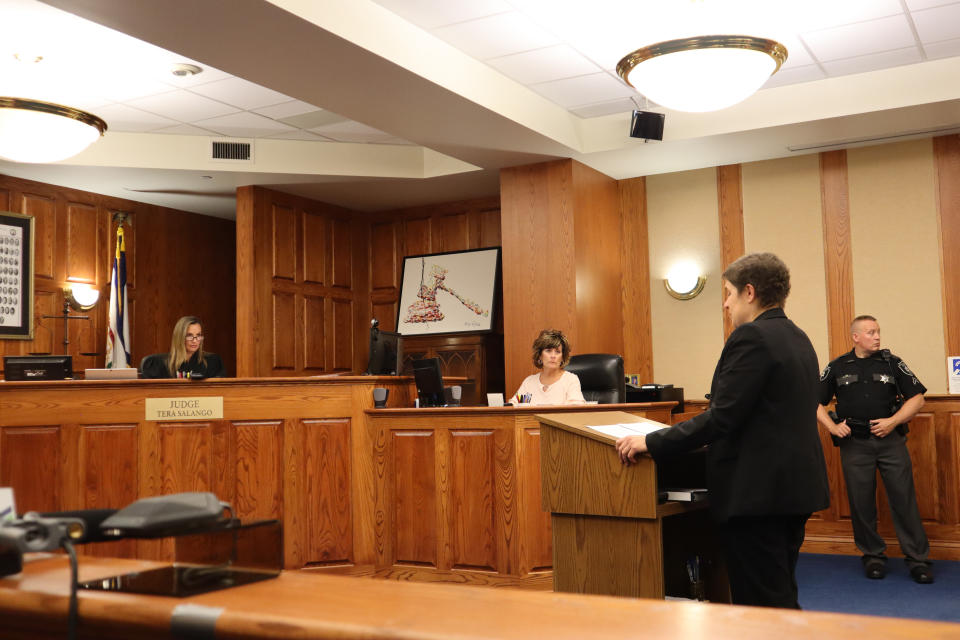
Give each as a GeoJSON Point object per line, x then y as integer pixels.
{"type": "Point", "coordinates": [765, 456]}
{"type": "Point", "coordinates": [155, 366]}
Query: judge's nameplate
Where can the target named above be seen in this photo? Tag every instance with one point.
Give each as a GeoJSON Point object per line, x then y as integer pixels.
{"type": "Point", "coordinates": [198, 408]}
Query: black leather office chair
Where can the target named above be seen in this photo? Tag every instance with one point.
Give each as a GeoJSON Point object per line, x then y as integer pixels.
{"type": "Point", "coordinates": [154, 366]}
{"type": "Point", "coordinates": [601, 376]}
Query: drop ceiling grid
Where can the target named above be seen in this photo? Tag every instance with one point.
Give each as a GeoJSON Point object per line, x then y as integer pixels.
{"type": "Point", "coordinates": [839, 38]}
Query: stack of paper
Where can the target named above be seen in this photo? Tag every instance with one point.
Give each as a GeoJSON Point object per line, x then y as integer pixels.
{"type": "Point", "coordinates": [628, 428]}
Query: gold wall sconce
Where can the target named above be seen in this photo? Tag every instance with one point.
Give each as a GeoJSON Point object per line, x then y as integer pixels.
{"type": "Point", "coordinates": [684, 281]}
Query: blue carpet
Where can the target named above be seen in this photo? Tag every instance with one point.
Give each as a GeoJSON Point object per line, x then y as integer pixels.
{"type": "Point", "coordinates": [836, 583]}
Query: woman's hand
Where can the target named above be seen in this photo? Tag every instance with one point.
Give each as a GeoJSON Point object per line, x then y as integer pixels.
{"type": "Point", "coordinates": [630, 447]}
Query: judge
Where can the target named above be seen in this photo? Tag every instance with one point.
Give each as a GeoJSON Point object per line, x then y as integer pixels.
{"type": "Point", "coordinates": [186, 358]}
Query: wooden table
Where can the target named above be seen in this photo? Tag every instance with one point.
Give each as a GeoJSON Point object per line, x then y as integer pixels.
{"type": "Point", "coordinates": [33, 605]}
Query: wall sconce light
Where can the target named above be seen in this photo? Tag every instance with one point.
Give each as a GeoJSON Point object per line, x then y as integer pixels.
{"type": "Point", "coordinates": [684, 281]}
{"type": "Point", "coordinates": [81, 297]}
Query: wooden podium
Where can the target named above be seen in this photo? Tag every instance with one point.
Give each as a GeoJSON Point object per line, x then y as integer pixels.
{"type": "Point", "coordinates": [610, 535]}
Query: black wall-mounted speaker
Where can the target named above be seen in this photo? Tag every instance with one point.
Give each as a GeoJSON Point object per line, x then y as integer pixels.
{"type": "Point", "coordinates": [647, 125]}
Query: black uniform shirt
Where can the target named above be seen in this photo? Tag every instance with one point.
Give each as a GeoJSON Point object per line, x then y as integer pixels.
{"type": "Point", "coordinates": [867, 388]}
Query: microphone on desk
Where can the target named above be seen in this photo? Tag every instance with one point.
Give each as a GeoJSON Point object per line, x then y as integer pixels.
{"type": "Point", "coordinates": [90, 519]}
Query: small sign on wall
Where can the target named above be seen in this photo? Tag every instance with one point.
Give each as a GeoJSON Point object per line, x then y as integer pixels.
{"type": "Point", "coordinates": [953, 374]}
{"type": "Point", "coordinates": [203, 408]}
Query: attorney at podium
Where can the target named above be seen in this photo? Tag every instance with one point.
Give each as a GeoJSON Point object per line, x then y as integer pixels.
{"type": "Point", "coordinates": [765, 466]}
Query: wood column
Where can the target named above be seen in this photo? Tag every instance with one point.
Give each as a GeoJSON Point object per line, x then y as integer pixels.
{"type": "Point", "coordinates": [946, 158]}
{"type": "Point", "coordinates": [635, 247]}
{"type": "Point", "coordinates": [562, 266]}
{"type": "Point", "coordinates": [835, 201]}
{"type": "Point", "coordinates": [730, 213]}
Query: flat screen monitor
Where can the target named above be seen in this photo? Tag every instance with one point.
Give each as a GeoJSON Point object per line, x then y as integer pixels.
{"type": "Point", "coordinates": [20, 368]}
{"type": "Point", "coordinates": [386, 353]}
{"type": "Point", "coordinates": [429, 380]}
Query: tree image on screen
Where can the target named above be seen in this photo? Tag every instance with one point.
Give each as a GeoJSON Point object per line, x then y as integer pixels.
{"type": "Point", "coordinates": [426, 308]}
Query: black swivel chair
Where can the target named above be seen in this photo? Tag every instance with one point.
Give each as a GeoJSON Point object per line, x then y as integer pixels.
{"type": "Point", "coordinates": [601, 377]}
{"type": "Point", "coordinates": [154, 366]}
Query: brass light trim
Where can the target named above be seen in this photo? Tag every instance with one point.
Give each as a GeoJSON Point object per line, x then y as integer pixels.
{"type": "Point", "coordinates": [73, 301]}
{"type": "Point", "coordinates": [763, 45]}
{"type": "Point", "coordinates": [689, 295]}
{"type": "Point", "coordinates": [54, 109]}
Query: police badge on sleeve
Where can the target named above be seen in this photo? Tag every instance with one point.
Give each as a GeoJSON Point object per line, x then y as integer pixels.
{"type": "Point", "coordinates": [826, 372]}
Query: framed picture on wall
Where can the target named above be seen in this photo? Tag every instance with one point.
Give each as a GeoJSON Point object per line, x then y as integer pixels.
{"type": "Point", "coordinates": [451, 292]}
{"type": "Point", "coordinates": [16, 276]}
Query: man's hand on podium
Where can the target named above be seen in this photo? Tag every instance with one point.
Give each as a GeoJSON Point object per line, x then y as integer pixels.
{"type": "Point", "coordinates": [630, 448]}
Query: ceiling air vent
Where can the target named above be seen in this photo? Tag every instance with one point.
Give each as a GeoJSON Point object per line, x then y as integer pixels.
{"type": "Point", "coordinates": [231, 150]}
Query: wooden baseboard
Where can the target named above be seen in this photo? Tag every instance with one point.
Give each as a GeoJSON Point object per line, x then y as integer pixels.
{"type": "Point", "coordinates": [939, 549]}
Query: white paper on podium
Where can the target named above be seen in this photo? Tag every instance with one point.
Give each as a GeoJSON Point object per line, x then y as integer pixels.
{"type": "Point", "coordinates": [628, 428]}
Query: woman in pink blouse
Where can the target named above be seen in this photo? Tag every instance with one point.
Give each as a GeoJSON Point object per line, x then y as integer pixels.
{"type": "Point", "coordinates": [553, 385]}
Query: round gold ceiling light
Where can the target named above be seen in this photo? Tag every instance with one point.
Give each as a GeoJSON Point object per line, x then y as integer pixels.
{"type": "Point", "coordinates": [703, 73]}
{"type": "Point", "coordinates": [35, 131]}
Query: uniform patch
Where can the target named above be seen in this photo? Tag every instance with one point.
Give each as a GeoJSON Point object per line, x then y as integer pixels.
{"type": "Point", "coordinates": [826, 372]}
{"type": "Point", "coordinates": [906, 370]}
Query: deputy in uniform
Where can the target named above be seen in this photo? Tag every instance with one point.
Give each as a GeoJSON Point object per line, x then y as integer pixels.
{"type": "Point", "coordinates": [877, 395]}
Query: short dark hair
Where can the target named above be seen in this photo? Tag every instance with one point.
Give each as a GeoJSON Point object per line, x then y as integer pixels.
{"type": "Point", "coordinates": [550, 339]}
{"type": "Point", "coordinates": [766, 272]}
{"type": "Point", "coordinates": [858, 319]}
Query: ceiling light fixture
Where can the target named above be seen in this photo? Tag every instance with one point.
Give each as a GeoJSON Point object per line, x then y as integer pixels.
{"type": "Point", "coordinates": [704, 73]}
{"type": "Point", "coordinates": [34, 131]}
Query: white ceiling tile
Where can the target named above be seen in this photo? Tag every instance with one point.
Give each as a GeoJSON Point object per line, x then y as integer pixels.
{"type": "Point", "coordinates": [286, 109]}
{"type": "Point", "coordinates": [240, 93]}
{"type": "Point", "coordinates": [884, 34]}
{"type": "Point", "coordinates": [572, 92]}
{"type": "Point", "coordinates": [917, 5]}
{"type": "Point", "coordinates": [795, 75]}
{"type": "Point", "coordinates": [120, 117]}
{"type": "Point", "coordinates": [496, 36]}
{"type": "Point", "coordinates": [872, 62]}
{"type": "Point", "coordinates": [809, 15]}
{"type": "Point", "coordinates": [130, 88]}
{"type": "Point", "coordinates": [934, 25]}
{"type": "Point", "coordinates": [298, 134]}
{"type": "Point", "coordinates": [623, 105]}
{"type": "Point", "coordinates": [183, 105]}
{"type": "Point", "coordinates": [185, 130]}
{"type": "Point", "coordinates": [945, 49]}
{"type": "Point", "coordinates": [430, 14]}
{"type": "Point", "coordinates": [247, 125]}
{"type": "Point", "coordinates": [350, 131]}
{"type": "Point", "coordinates": [543, 65]}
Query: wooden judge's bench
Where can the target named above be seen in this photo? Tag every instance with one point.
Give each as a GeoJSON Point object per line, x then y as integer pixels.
{"type": "Point", "coordinates": [411, 494]}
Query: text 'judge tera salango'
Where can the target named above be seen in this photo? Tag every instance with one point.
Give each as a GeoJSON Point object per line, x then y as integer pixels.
{"type": "Point", "coordinates": [765, 466]}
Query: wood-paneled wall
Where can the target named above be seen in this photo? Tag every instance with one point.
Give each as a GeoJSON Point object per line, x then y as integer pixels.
{"type": "Point", "coordinates": [452, 226]}
{"type": "Point", "coordinates": [562, 262]}
{"type": "Point", "coordinates": [178, 263]}
{"type": "Point", "coordinates": [301, 271]}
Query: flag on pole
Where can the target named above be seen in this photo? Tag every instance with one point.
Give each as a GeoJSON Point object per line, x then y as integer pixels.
{"type": "Point", "coordinates": [118, 332]}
